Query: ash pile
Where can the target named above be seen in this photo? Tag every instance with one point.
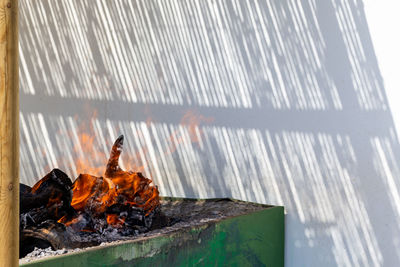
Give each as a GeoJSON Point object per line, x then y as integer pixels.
{"type": "Point", "coordinates": [60, 214]}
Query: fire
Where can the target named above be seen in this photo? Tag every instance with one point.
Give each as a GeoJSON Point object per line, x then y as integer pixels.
{"type": "Point", "coordinates": [98, 195]}
{"type": "Point", "coordinates": [115, 220]}
{"type": "Point", "coordinates": [88, 160]}
{"type": "Point", "coordinates": [56, 198]}
{"type": "Point", "coordinates": [191, 121]}
{"type": "Point", "coordinates": [94, 193]}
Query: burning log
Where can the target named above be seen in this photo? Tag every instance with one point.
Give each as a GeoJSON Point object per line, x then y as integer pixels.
{"type": "Point", "coordinates": [58, 213]}
{"type": "Point", "coordinates": [133, 186]}
{"type": "Point", "coordinates": [131, 192]}
{"type": "Point", "coordinates": [50, 198]}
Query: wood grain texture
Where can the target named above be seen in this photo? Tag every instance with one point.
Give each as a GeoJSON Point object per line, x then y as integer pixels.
{"type": "Point", "coordinates": [9, 134]}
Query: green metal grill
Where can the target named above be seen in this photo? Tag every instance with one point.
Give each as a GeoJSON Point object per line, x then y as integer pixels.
{"type": "Point", "coordinates": [253, 239]}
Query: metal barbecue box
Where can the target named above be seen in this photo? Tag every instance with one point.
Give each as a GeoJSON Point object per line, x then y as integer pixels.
{"type": "Point", "coordinates": [206, 232]}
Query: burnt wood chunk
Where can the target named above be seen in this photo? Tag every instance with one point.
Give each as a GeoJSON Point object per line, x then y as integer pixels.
{"type": "Point", "coordinates": [51, 234]}
{"type": "Point", "coordinates": [54, 189]}
{"type": "Point", "coordinates": [58, 213]}
{"type": "Point", "coordinates": [93, 194]}
{"type": "Point", "coordinates": [132, 187]}
{"type": "Point", "coordinates": [112, 164]}
{"type": "Point", "coordinates": [49, 198]}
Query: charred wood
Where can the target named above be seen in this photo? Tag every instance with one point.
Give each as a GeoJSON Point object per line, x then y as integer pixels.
{"type": "Point", "coordinates": [50, 198]}
{"type": "Point", "coordinates": [58, 213]}
{"type": "Point", "coordinates": [53, 234]}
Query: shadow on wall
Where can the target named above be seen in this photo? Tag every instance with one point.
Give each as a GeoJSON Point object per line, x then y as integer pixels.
{"type": "Point", "coordinates": [298, 107]}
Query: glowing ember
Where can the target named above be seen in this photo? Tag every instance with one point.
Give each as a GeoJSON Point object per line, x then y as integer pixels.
{"type": "Point", "coordinates": [115, 220]}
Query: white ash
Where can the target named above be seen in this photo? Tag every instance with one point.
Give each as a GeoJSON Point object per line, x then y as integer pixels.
{"type": "Point", "coordinates": [39, 253]}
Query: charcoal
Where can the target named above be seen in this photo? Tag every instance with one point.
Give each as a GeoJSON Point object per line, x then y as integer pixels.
{"type": "Point", "coordinates": [58, 213]}
{"type": "Point", "coordinates": [53, 234]}
{"type": "Point", "coordinates": [28, 244]}
{"type": "Point", "coordinates": [50, 198]}
{"type": "Point", "coordinates": [134, 218]}
{"type": "Point", "coordinates": [24, 190]}
{"type": "Point", "coordinates": [52, 195]}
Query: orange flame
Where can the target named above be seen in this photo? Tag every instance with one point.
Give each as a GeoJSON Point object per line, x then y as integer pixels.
{"type": "Point", "coordinates": [191, 121]}
{"type": "Point", "coordinates": [115, 220]}
{"type": "Point", "coordinates": [96, 194]}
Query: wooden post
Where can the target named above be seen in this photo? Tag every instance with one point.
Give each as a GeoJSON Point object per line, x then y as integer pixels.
{"type": "Point", "coordinates": [9, 134]}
